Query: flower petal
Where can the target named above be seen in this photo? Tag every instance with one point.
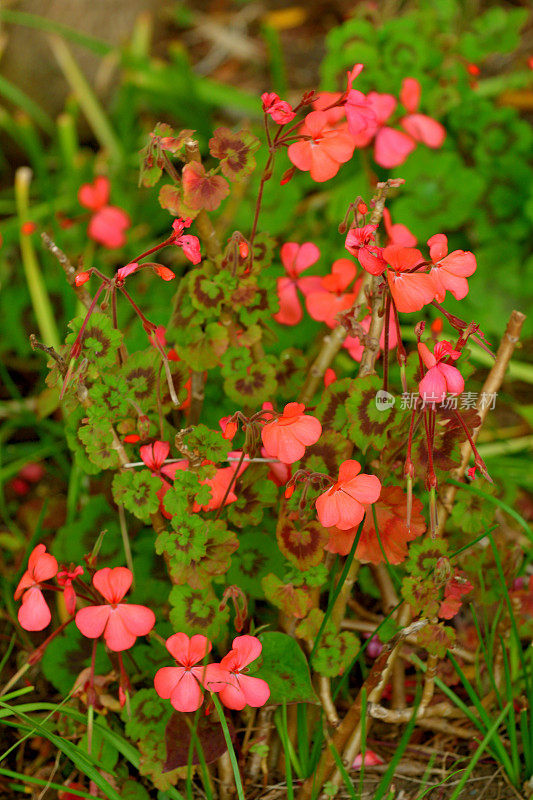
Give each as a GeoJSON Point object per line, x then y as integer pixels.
{"type": "Point", "coordinates": [34, 614]}
{"type": "Point", "coordinates": [166, 679]}
{"type": "Point", "coordinates": [392, 147]}
{"type": "Point", "coordinates": [187, 695]}
{"type": "Point", "coordinates": [248, 649]}
{"type": "Point", "coordinates": [290, 311]}
{"type": "Point", "coordinates": [113, 583]}
{"type": "Point", "coordinates": [92, 620]}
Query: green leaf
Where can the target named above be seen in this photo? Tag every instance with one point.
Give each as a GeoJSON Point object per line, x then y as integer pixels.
{"type": "Point", "coordinates": [66, 656]}
{"type": "Point", "coordinates": [284, 667]}
{"type": "Point", "coordinates": [100, 340]}
{"type": "Point", "coordinates": [137, 492]}
{"type": "Point", "coordinates": [369, 425]}
{"type": "Point", "coordinates": [235, 152]}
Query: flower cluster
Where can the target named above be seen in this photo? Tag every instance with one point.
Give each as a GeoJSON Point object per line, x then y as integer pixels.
{"type": "Point", "coordinates": [184, 685]}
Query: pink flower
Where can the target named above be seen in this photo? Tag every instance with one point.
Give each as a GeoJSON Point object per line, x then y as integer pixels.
{"type": "Point", "coordinates": [287, 436]}
{"type": "Point", "coordinates": [420, 127]}
{"type": "Point", "coordinates": [189, 244]}
{"type": "Point", "coordinates": [280, 111]}
{"type": "Point", "coordinates": [449, 272]}
{"type": "Point", "coordinates": [324, 305]}
{"type": "Point", "coordinates": [108, 225]}
{"type": "Point", "coordinates": [183, 685]}
{"type": "Point", "coordinates": [360, 242]}
{"type": "Point", "coordinates": [440, 378]}
{"type": "Point", "coordinates": [236, 690]}
{"type": "Point", "coordinates": [342, 505]}
{"type": "Point", "coordinates": [391, 146]}
{"type": "Point", "coordinates": [119, 623]}
{"type": "Point", "coordinates": [410, 291]}
{"type": "Point", "coordinates": [154, 455]}
{"type": "Point", "coordinates": [324, 149]}
{"type": "Point", "coordinates": [295, 258]}
{"type": "Point", "coordinates": [218, 485]}
{"type": "Point", "coordinates": [95, 195]}
{"type": "Point", "coordinates": [65, 579]}
{"type": "Point", "coordinates": [397, 233]}
{"type": "Point", "coordinates": [371, 760]}
{"type": "Point", "coordinates": [164, 272]}
{"type": "Point", "coordinates": [361, 116]}
{"type": "Point", "coordinates": [34, 614]}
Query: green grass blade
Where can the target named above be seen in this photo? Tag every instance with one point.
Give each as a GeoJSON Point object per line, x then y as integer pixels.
{"type": "Point", "coordinates": [336, 592]}
{"type": "Point", "coordinates": [495, 501]}
{"type": "Point", "coordinates": [398, 753]}
{"type": "Point", "coordinates": [41, 782]}
{"type": "Point", "coordinates": [98, 46]}
{"type": "Point", "coordinates": [16, 96]}
{"type": "Point", "coordinates": [479, 752]}
{"type": "Point", "coordinates": [80, 759]}
{"type": "Point", "coordinates": [87, 99]}
{"type": "Point", "coordinates": [42, 307]}
{"type": "Point", "coordinates": [231, 750]}
{"type": "Point", "coordinates": [512, 722]}
{"type": "Point", "coordinates": [343, 771]}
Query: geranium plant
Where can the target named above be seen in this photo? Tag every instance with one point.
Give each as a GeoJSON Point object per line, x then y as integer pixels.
{"type": "Point", "coordinates": [268, 485]}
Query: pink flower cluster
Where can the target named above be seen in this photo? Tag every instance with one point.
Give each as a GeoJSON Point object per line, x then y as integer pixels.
{"type": "Point", "coordinates": [410, 285]}
{"type": "Point", "coordinates": [108, 224]}
{"type": "Point", "coordinates": [184, 685]}
{"type": "Point", "coordinates": [343, 122]}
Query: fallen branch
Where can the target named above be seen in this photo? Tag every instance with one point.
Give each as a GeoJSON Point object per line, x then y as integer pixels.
{"type": "Point", "coordinates": [492, 384]}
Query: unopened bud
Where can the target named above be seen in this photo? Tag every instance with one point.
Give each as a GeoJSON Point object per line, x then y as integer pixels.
{"type": "Point", "coordinates": [82, 277]}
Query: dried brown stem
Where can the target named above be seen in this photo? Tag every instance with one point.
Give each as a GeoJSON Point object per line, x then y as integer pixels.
{"type": "Point", "coordinates": [262, 736]}
{"type": "Point", "coordinates": [324, 691]}
{"type": "Point", "coordinates": [347, 737]}
{"type": "Point", "coordinates": [226, 788]}
{"type": "Point", "coordinates": [333, 341]}
{"type": "Point", "coordinates": [83, 295]}
{"type": "Point", "coordinates": [492, 384]}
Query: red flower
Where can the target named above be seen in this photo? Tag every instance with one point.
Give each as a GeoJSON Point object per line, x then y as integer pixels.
{"type": "Point", "coordinates": [440, 378]}
{"type": "Point", "coordinates": [108, 224]}
{"type": "Point", "coordinates": [287, 436]}
{"type": "Point", "coordinates": [189, 244]}
{"type": "Point", "coordinates": [325, 304]}
{"type": "Point", "coordinates": [280, 111]}
{"type": "Point", "coordinates": [154, 455]}
{"type": "Point", "coordinates": [183, 685]}
{"type": "Point", "coordinates": [397, 233]}
{"type": "Point", "coordinates": [325, 149]}
{"type": "Point", "coordinates": [34, 614]}
{"type": "Point", "coordinates": [449, 272]}
{"type": "Point", "coordinates": [391, 513]}
{"type": "Point", "coordinates": [360, 242]}
{"type": "Point", "coordinates": [236, 690]}
{"type": "Point", "coordinates": [95, 195]}
{"type": "Point", "coordinates": [391, 146]}
{"type": "Point", "coordinates": [65, 579]}
{"type": "Point", "coordinates": [454, 590]}
{"type": "Point", "coordinates": [296, 258]}
{"type": "Point", "coordinates": [119, 623]}
{"type": "Point", "coordinates": [342, 505]}
{"type": "Point", "coordinates": [410, 291]}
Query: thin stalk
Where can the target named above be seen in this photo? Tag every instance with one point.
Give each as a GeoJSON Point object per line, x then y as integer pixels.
{"type": "Point", "coordinates": [40, 298]}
